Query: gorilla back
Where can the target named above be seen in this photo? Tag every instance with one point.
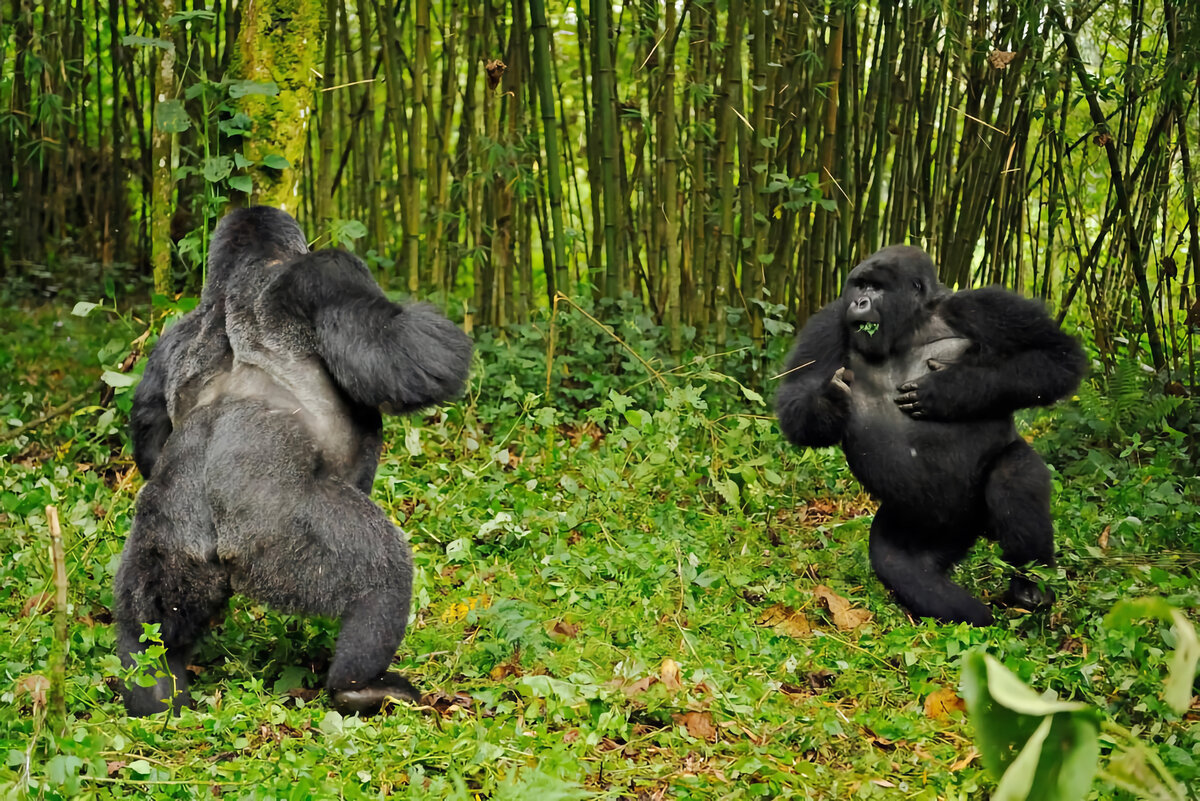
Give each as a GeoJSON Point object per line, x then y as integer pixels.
{"type": "Point", "coordinates": [257, 427]}
{"type": "Point", "coordinates": [918, 385]}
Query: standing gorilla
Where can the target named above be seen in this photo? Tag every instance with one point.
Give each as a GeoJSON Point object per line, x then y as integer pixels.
{"type": "Point", "coordinates": [257, 427]}
{"type": "Point", "coordinates": [919, 385]}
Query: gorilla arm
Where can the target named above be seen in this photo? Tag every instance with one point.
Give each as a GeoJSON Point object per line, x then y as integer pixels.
{"type": "Point", "coordinates": [813, 403]}
{"type": "Point", "coordinates": [1020, 358]}
{"type": "Point", "coordinates": [150, 422]}
{"type": "Point", "coordinates": [382, 354]}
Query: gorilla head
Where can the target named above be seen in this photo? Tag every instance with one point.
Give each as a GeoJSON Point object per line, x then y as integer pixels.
{"type": "Point", "coordinates": [884, 298]}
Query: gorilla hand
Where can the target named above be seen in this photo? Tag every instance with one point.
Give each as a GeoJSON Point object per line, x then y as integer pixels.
{"type": "Point", "coordinates": [842, 380]}
{"type": "Point", "coordinates": [922, 398]}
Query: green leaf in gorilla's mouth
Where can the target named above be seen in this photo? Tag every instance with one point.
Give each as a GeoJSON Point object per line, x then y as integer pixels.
{"type": "Point", "coordinates": [868, 328]}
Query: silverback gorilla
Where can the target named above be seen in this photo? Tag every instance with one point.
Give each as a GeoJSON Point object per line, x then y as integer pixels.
{"type": "Point", "coordinates": [257, 427]}
{"type": "Point", "coordinates": [919, 384]}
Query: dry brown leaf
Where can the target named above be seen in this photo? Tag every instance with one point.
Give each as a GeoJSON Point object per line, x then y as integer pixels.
{"type": "Point", "coordinates": [114, 767]}
{"type": "Point", "coordinates": [505, 669]}
{"type": "Point", "coordinates": [306, 694]}
{"type": "Point", "coordinates": [1000, 59]}
{"type": "Point", "coordinates": [42, 602]}
{"type": "Point", "coordinates": [669, 673]}
{"type": "Point", "coordinates": [971, 756]}
{"type": "Point", "coordinates": [845, 616]}
{"type": "Point", "coordinates": [495, 71]}
{"type": "Point", "coordinates": [786, 621]}
{"type": "Point", "coordinates": [698, 725]}
{"type": "Point", "coordinates": [941, 703]}
{"type": "Point", "coordinates": [564, 630]}
{"type": "Point", "coordinates": [36, 685]}
{"type": "Point", "coordinates": [445, 704]}
{"type": "Point", "coordinates": [639, 686]}
{"type": "Point", "coordinates": [1103, 541]}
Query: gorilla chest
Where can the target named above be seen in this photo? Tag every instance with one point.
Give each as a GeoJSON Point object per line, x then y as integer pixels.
{"type": "Point", "coordinates": [909, 461]}
{"type": "Point", "coordinates": [876, 383]}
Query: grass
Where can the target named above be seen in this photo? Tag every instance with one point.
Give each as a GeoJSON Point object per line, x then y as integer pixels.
{"type": "Point", "coordinates": [625, 594]}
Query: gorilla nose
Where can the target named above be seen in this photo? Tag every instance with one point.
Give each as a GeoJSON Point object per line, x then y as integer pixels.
{"type": "Point", "coordinates": [860, 309]}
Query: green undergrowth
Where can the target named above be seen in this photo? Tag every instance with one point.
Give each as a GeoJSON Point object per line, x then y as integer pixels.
{"type": "Point", "coordinates": [626, 587]}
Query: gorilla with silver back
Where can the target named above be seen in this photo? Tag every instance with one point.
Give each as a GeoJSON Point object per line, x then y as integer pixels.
{"type": "Point", "coordinates": [918, 384]}
{"type": "Point", "coordinates": [258, 428]}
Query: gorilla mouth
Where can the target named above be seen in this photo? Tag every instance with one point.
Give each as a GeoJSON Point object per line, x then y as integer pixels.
{"type": "Point", "coordinates": [867, 328]}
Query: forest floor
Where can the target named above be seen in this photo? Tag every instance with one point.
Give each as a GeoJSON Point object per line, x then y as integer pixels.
{"type": "Point", "coordinates": [626, 588]}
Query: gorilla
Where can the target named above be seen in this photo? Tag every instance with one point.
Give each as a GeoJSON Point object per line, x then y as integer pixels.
{"type": "Point", "coordinates": [257, 428]}
{"type": "Point", "coordinates": [919, 384]}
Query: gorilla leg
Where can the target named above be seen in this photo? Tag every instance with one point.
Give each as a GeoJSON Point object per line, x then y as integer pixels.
{"type": "Point", "coordinates": [335, 553]}
{"type": "Point", "coordinates": [1017, 494]}
{"type": "Point", "coordinates": [169, 576]}
{"type": "Point", "coordinates": [916, 573]}
{"type": "Point", "coordinates": [314, 544]}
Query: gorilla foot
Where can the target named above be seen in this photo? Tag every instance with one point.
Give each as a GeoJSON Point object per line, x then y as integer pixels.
{"type": "Point", "coordinates": [371, 697]}
{"type": "Point", "coordinates": [1024, 593]}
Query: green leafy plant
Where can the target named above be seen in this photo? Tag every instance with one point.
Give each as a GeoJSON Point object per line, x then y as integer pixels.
{"type": "Point", "coordinates": [1039, 748]}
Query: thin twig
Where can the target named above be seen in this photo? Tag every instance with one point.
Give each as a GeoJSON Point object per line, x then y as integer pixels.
{"type": "Point", "coordinates": [50, 415]}
{"type": "Point", "coordinates": [58, 653]}
{"type": "Point", "coordinates": [794, 369]}
{"type": "Point", "coordinates": [608, 330]}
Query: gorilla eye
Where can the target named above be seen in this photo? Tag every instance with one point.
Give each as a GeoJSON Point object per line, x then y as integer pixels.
{"type": "Point", "coordinates": [918, 284]}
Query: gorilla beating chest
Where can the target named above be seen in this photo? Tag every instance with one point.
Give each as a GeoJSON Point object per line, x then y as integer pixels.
{"type": "Point", "coordinates": [896, 456]}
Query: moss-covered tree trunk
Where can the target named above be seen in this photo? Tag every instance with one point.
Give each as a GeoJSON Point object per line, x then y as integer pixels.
{"type": "Point", "coordinates": [280, 42]}
{"type": "Point", "coordinates": [162, 202]}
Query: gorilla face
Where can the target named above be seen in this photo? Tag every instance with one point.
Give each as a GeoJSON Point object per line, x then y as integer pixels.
{"type": "Point", "coordinates": [883, 297]}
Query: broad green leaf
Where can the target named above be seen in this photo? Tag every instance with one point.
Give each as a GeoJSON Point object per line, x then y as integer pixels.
{"type": "Point", "coordinates": [239, 124]}
{"type": "Point", "coordinates": [1037, 747]}
{"type": "Point", "coordinates": [242, 183]}
{"type": "Point", "coordinates": [217, 168]}
{"type": "Point", "coordinates": [276, 162]}
{"type": "Point", "coordinates": [188, 16]}
{"type": "Point", "coordinates": [83, 308]}
{"type": "Point", "coordinates": [751, 395]}
{"type": "Point", "coordinates": [238, 89]}
{"type": "Point", "coordinates": [118, 380]}
{"type": "Point", "coordinates": [728, 490]}
{"type": "Point", "coordinates": [1017, 781]}
{"type": "Point", "coordinates": [1012, 693]}
{"type": "Point", "coordinates": [348, 229]}
{"type": "Point", "coordinates": [146, 41]}
{"type": "Point", "coordinates": [171, 117]}
{"type": "Point", "coordinates": [140, 767]}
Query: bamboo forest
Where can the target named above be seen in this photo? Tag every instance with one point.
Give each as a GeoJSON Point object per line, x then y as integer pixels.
{"type": "Point", "coordinates": [560, 400]}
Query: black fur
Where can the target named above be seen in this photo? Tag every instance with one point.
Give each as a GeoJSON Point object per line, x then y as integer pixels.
{"type": "Point", "coordinates": [257, 427]}
{"type": "Point", "coordinates": [922, 408]}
